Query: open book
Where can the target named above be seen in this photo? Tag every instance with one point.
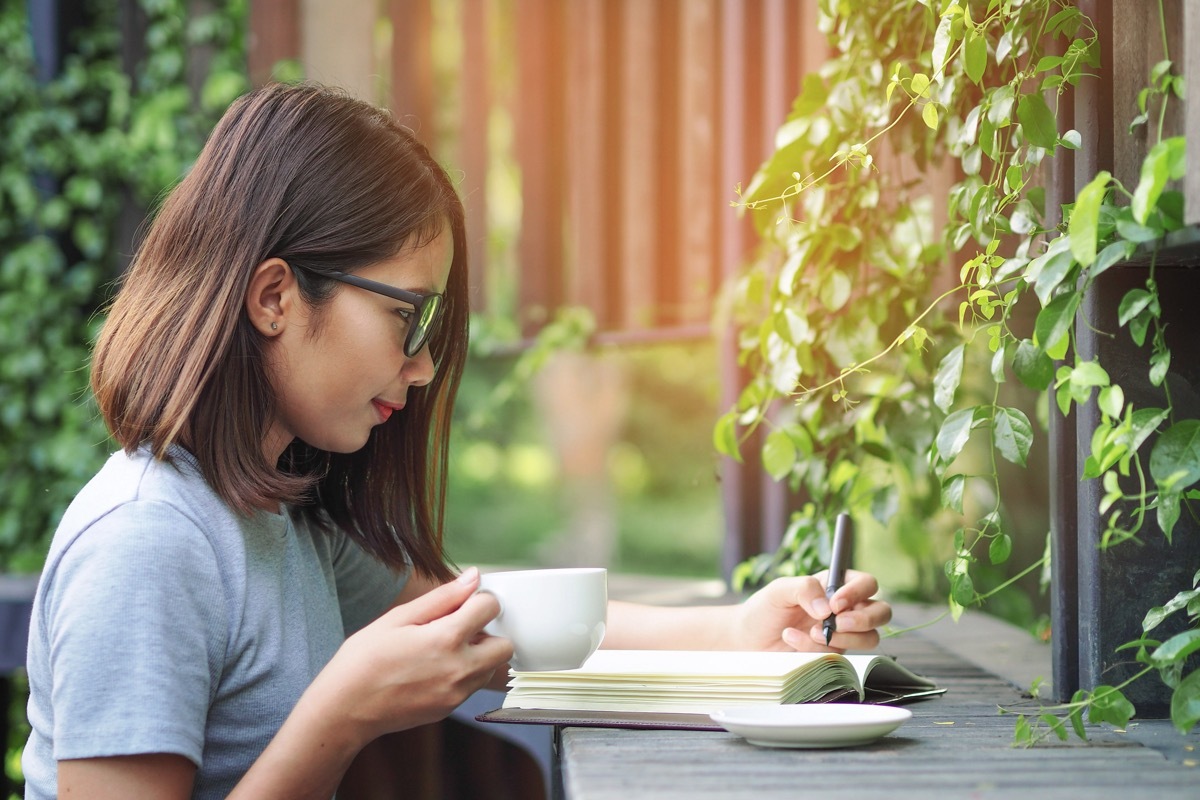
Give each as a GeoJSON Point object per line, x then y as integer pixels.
{"type": "Point", "coordinates": [624, 684]}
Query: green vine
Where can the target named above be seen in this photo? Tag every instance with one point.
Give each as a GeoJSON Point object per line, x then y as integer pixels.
{"type": "Point", "coordinates": [74, 149]}
{"type": "Point", "coordinates": [869, 396]}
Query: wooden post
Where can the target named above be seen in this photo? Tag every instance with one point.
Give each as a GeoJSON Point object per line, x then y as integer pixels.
{"type": "Point", "coordinates": [700, 197]}
{"type": "Point", "coordinates": [590, 135]}
{"type": "Point", "coordinates": [540, 155]}
{"type": "Point", "coordinates": [739, 481]}
{"type": "Point", "coordinates": [411, 84]}
{"type": "Point", "coordinates": [477, 16]}
{"type": "Point", "coordinates": [638, 166]}
{"type": "Point", "coordinates": [337, 43]}
{"type": "Point", "coordinates": [274, 35]}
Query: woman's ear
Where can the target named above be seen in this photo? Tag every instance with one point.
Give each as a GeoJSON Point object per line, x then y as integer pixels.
{"type": "Point", "coordinates": [270, 296]}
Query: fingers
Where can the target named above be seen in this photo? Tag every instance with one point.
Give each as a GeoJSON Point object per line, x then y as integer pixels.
{"type": "Point", "coordinates": [437, 602]}
{"type": "Point", "coordinates": [858, 588]}
{"type": "Point", "coordinates": [857, 616]}
{"type": "Point", "coordinates": [814, 639]}
{"type": "Point", "coordinates": [460, 613]}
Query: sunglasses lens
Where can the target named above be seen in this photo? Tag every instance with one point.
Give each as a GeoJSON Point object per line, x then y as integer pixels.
{"type": "Point", "coordinates": [431, 312]}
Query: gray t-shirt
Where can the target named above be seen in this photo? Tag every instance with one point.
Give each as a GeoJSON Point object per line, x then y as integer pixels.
{"type": "Point", "coordinates": [164, 622]}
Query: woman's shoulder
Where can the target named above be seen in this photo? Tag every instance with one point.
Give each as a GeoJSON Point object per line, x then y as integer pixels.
{"type": "Point", "coordinates": [137, 503]}
{"type": "Point", "coordinates": [141, 479]}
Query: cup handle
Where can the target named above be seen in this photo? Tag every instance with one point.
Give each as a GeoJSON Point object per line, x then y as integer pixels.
{"type": "Point", "coordinates": [493, 594]}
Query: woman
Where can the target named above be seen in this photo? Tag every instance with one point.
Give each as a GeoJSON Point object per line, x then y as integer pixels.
{"type": "Point", "coordinates": [254, 587]}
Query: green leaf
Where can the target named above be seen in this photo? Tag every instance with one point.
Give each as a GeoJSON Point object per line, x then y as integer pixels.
{"type": "Point", "coordinates": [1154, 177]}
{"type": "Point", "coordinates": [972, 160]}
{"type": "Point", "coordinates": [1176, 157]}
{"type": "Point", "coordinates": [949, 375]}
{"type": "Point", "coordinates": [1085, 219]}
{"type": "Point", "coordinates": [835, 290]}
{"type": "Point", "coordinates": [1177, 648]}
{"type": "Point", "coordinates": [954, 433]}
{"type": "Point", "coordinates": [1056, 725]}
{"type": "Point", "coordinates": [941, 45]}
{"type": "Point", "coordinates": [930, 115]}
{"type": "Point", "coordinates": [1047, 63]}
{"type": "Point", "coordinates": [976, 56]}
{"type": "Point", "coordinates": [962, 588]}
{"type": "Point", "coordinates": [1089, 374]}
{"type": "Point", "coordinates": [1114, 253]}
{"type": "Point", "coordinates": [1175, 458]}
{"type": "Point", "coordinates": [1160, 362]}
{"type": "Point", "coordinates": [952, 492]}
{"type": "Point", "coordinates": [1012, 434]}
{"type": "Point", "coordinates": [1112, 401]}
{"type": "Point", "coordinates": [1022, 732]}
{"type": "Point", "coordinates": [1037, 121]}
{"type": "Point", "coordinates": [1156, 615]}
{"type": "Point", "coordinates": [1131, 231]}
{"type": "Point", "coordinates": [1054, 321]}
{"type": "Point", "coordinates": [1032, 366]}
{"type": "Point", "coordinates": [802, 440]}
{"type": "Point", "coordinates": [1185, 703]}
{"type": "Point", "coordinates": [1109, 705]}
{"type": "Point", "coordinates": [1143, 423]}
{"type": "Point", "coordinates": [725, 436]}
{"type": "Point", "coordinates": [1061, 244]}
{"type": "Point", "coordinates": [1058, 350]}
{"type": "Point", "coordinates": [1000, 548]}
{"type": "Point", "coordinates": [1138, 328]}
{"type": "Point", "coordinates": [221, 88]}
{"type": "Point", "coordinates": [1049, 271]}
{"type": "Point", "coordinates": [843, 472]}
{"type": "Point", "coordinates": [997, 369]}
{"type": "Point", "coordinates": [778, 454]}
{"type": "Point", "coordinates": [1076, 714]}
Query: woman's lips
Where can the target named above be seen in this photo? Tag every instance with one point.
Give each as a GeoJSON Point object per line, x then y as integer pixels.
{"type": "Point", "coordinates": [385, 409]}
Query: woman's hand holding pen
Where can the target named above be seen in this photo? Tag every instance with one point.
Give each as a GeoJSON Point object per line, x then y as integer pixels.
{"type": "Point", "coordinates": [787, 614]}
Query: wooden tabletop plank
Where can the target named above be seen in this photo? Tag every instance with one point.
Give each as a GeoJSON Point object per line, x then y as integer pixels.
{"type": "Point", "coordinates": [958, 745]}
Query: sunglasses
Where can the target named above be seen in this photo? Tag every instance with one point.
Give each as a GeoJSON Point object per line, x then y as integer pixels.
{"type": "Point", "coordinates": [427, 308]}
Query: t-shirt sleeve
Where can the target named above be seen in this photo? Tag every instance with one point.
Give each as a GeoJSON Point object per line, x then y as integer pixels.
{"type": "Point", "coordinates": [137, 626]}
{"type": "Point", "coordinates": [365, 586]}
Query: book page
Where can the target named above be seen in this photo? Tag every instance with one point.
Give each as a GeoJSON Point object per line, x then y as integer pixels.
{"type": "Point", "coordinates": [675, 680]}
{"type": "Point", "coordinates": [884, 671]}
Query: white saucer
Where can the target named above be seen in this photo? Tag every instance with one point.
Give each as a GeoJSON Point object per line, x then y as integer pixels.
{"type": "Point", "coordinates": [811, 724]}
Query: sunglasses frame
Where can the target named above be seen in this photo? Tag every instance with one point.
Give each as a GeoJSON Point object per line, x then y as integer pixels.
{"type": "Point", "coordinates": [420, 301]}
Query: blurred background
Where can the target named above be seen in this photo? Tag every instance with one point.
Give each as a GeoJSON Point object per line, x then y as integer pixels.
{"type": "Point", "coordinates": [598, 146]}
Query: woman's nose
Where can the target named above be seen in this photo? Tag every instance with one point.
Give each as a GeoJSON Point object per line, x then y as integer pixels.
{"type": "Point", "coordinates": [419, 370]}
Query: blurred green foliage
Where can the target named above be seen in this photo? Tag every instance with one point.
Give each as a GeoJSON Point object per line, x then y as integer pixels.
{"type": "Point", "coordinates": [79, 153]}
{"type": "Point", "coordinates": [83, 156]}
{"type": "Point", "coordinates": [507, 502]}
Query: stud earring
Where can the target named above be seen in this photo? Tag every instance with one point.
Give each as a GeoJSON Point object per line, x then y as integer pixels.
{"type": "Point", "coordinates": [274, 326]}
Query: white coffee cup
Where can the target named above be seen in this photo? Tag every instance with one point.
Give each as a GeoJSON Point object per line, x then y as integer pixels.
{"type": "Point", "coordinates": [554, 617]}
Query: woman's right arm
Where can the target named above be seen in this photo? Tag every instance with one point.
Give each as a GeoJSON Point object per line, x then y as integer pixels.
{"type": "Point", "coordinates": [410, 667]}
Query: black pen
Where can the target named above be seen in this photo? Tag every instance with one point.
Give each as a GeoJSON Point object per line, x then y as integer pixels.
{"type": "Point", "coordinates": [843, 541]}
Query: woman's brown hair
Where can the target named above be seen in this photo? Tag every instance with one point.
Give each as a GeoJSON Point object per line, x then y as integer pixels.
{"type": "Point", "coordinates": [325, 182]}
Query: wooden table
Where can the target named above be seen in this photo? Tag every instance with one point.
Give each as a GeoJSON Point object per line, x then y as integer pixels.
{"type": "Point", "coordinates": [955, 746]}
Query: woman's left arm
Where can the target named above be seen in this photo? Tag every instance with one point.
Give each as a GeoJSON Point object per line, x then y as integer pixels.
{"type": "Point", "coordinates": [786, 614]}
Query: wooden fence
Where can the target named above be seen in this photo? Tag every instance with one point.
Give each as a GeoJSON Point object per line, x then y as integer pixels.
{"type": "Point", "coordinates": [634, 121]}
